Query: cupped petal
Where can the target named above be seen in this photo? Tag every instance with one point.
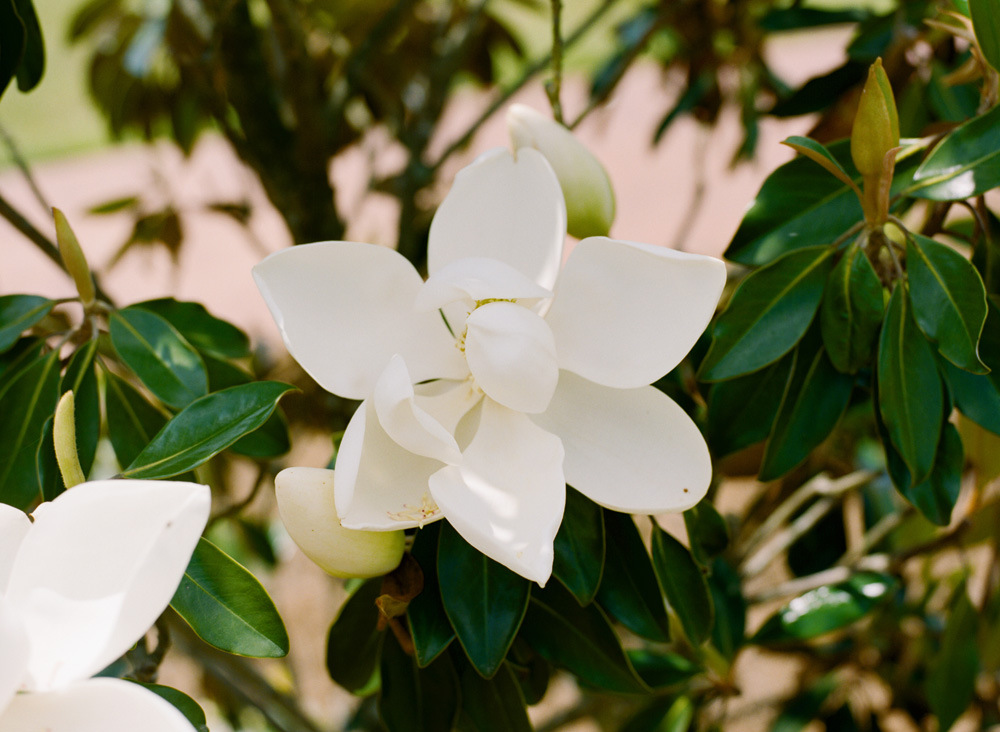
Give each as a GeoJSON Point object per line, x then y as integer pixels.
{"type": "Point", "coordinates": [97, 568]}
{"type": "Point", "coordinates": [631, 450]}
{"type": "Point", "coordinates": [625, 314]}
{"type": "Point", "coordinates": [14, 644]}
{"type": "Point", "coordinates": [512, 356]}
{"type": "Point", "coordinates": [345, 308]}
{"type": "Point", "coordinates": [475, 279]}
{"type": "Point", "coordinates": [14, 524]}
{"type": "Point", "coordinates": [381, 486]}
{"type": "Point", "coordinates": [94, 705]}
{"type": "Point", "coordinates": [508, 495]}
{"type": "Point", "coordinates": [503, 208]}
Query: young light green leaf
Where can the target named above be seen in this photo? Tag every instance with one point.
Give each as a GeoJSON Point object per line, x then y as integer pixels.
{"type": "Point", "coordinates": [910, 399]}
{"type": "Point", "coordinates": [160, 356]}
{"type": "Point", "coordinates": [18, 313]}
{"type": "Point", "coordinates": [818, 153]}
{"type": "Point", "coordinates": [579, 547]}
{"type": "Point", "coordinates": [851, 313]}
{"type": "Point", "coordinates": [354, 644]}
{"type": "Point", "coordinates": [684, 584]}
{"type": "Point", "coordinates": [949, 301]}
{"type": "Point", "coordinates": [205, 427]}
{"type": "Point", "coordinates": [966, 163]}
{"type": "Point", "coordinates": [768, 314]}
{"type": "Point", "coordinates": [985, 16]}
{"type": "Point", "coordinates": [227, 607]}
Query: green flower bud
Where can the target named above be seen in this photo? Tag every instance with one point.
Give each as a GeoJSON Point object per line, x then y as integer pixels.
{"type": "Point", "coordinates": [305, 503]}
{"type": "Point", "coordinates": [73, 259]}
{"type": "Point", "coordinates": [876, 124]}
{"type": "Point", "coordinates": [590, 201]}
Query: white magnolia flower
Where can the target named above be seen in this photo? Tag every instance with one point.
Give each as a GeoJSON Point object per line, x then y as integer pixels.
{"type": "Point", "coordinates": [79, 585]}
{"type": "Point", "coordinates": [499, 379]}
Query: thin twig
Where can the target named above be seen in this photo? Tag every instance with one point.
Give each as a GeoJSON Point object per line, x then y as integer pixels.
{"type": "Point", "coordinates": [831, 576]}
{"type": "Point", "coordinates": [22, 164]}
{"type": "Point", "coordinates": [554, 87]}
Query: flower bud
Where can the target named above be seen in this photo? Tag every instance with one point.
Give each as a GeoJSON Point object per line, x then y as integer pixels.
{"type": "Point", "coordinates": [876, 124]}
{"type": "Point", "coordinates": [305, 502]}
{"type": "Point", "coordinates": [590, 201]}
{"type": "Point", "coordinates": [73, 259]}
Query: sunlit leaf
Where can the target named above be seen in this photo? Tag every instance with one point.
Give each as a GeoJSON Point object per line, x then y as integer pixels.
{"type": "Point", "coordinates": [964, 164]}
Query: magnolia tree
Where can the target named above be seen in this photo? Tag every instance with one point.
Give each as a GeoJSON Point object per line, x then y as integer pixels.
{"type": "Point", "coordinates": [514, 390]}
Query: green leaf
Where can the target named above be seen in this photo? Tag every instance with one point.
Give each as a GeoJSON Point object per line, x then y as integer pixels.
{"type": "Point", "coordinates": [579, 639]}
{"type": "Point", "coordinates": [494, 705]}
{"type": "Point", "coordinates": [12, 41]}
{"type": "Point", "coordinates": [187, 706]}
{"type": "Point", "coordinates": [851, 313]}
{"type": "Point", "coordinates": [629, 590]}
{"type": "Point", "coordinates": [579, 547]}
{"type": "Point", "coordinates": [804, 708]}
{"type": "Point", "coordinates": [910, 398]}
{"type": "Point", "coordinates": [965, 164]}
{"type": "Point", "coordinates": [937, 494]}
{"type": "Point", "coordinates": [662, 670]}
{"type": "Point", "coordinates": [729, 629]}
{"type": "Point", "coordinates": [50, 481]}
{"type": "Point", "coordinates": [485, 602]}
{"type": "Point", "coordinates": [826, 609]}
{"type": "Point", "coordinates": [684, 584]}
{"type": "Point", "coordinates": [132, 421]}
{"type": "Point", "coordinates": [985, 16]}
{"type": "Point", "coordinates": [951, 675]}
{"type": "Point", "coordinates": [19, 312]}
{"type": "Point", "coordinates": [414, 699]}
{"type": "Point", "coordinates": [977, 396]}
{"type": "Point", "coordinates": [818, 153]}
{"type": "Point", "coordinates": [816, 397]}
{"type": "Point", "coordinates": [32, 65]}
{"type": "Point", "coordinates": [160, 356]}
{"type": "Point", "coordinates": [205, 427]}
{"type": "Point", "coordinates": [267, 441]}
{"type": "Point", "coordinates": [429, 625]}
{"type": "Point", "coordinates": [202, 330]}
{"type": "Point", "coordinates": [768, 314]}
{"type": "Point", "coordinates": [227, 607]}
{"type": "Point", "coordinates": [707, 531]}
{"type": "Point", "coordinates": [948, 298]}
{"type": "Point", "coordinates": [24, 408]}
{"type": "Point", "coordinates": [354, 644]}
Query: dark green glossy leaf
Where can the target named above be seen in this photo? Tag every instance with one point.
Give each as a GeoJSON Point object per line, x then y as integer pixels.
{"type": "Point", "coordinates": [662, 670]}
{"type": "Point", "coordinates": [966, 163]}
{"type": "Point", "coordinates": [485, 602]}
{"type": "Point", "coordinates": [50, 480]}
{"type": "Point", "coordinates": [160, 356]}
{"type": "Point", "coordinates": [205, 427]}
{"type": "Point", "coordinates": [820, 91]}
{"type": "Point", "coordinates": [948, 298]}
{"type": "Point", "coordinates": [494, 705]}
{"type": "Point", "coordinates": [267, 441]}
{"type": "Point", "coordinates": [742, 410]}
{"type": "Point", "coordinates": [826, 609]}
{"type": "Point", "coordinates": [729, 629]}
{"type": "Point", "coordinates": [80, 377]}
{"type": "Point", "coordinates": [414, 699]}
{"type": "Point", "coordinates": [429, 625]}
{"type": "Point", "coordinates": [32, 65]}
{"type": "Point", "coordinates": [629, 590]}
{"type": "Point", "coordinates": [19, 357]}
{"type": "Point", "coordinates": [910, 402]}
{"type": "Point", "coordinates": [227, 607]}
{"type": "Point", "coordinates": [798, 17]}
{"type": "Point", "coordinates": [985, 16]}
{"type": "Point", "coordinates": [354, 644]}
{"type": "Point", "coordinates": [132, 421]}
{"type": "Point", "coordinates": [12, 40]}
{"type": "Point", "coordinates": [851, 313]}
{"type": "Point", "coordinates": [684, 584]}
{"type": "Point", "coordinates": [951, 675]}
{"type": "Point", "coordinates": [578, 639]}
{"type": "Point", "coordinates": [579, 547]}
{"type": "Point", "coordinates": [937, 494]}
{"type": "Point", "coordinates": [804, 708]}
{"type": "Point", "coordinates": [24, 408]}
{"type": "Point", "coordinates": [707, 531]}
{"type": "Point", "coordinates": [768, 314]}
{"type": "Point", "coordinates": [19, 312]}
{"type": "Point", "coordinates": [815, 398]}
{"type": "Point", "coordinates": [977, 396]}
{"type": "Point", "coordinates": [187, 706]}
{"type": "Point", "coordinates": [530, 669]}
{"type": "Point", "coordinates": [202, 330]}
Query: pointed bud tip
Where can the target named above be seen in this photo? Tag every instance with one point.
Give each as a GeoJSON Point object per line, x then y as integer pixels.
{"type": "Point", "coordinates": [876, 124]}
{"type": "Point", "coordinates": [73, 259]}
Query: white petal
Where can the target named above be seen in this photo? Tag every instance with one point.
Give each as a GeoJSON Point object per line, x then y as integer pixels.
{"type": "Point", "coordinates": [507, 496]}
{"type": "Point", "coordinates": [476, 278]}
{"type": "Point", "coordinates": [345, 308]}
{"type": "Point", "coordinates": [512, 356]}
{"type": "Point", "coordinates": [97, 568]}
{"type": "Point", "coordinates": [14, 647]}
{"type": "Point", "coordinates": [95, 705]}
{"type": "Point", "coordinates": [405, 422]}
{"type": "Point", "coordinates": [631, 450]}
{"type": "Point", "coordinates": [504, 209]}
{"type": "Point", "coordinates": [625, 314]}
{"type": "Point", "coordinates": [14, 524]}
{"type": "Point", "coordinates": [380, 485]}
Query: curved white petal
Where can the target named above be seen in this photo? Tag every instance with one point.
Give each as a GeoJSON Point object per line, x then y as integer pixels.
{"type": "Point", "coordinates": [631, 450]}
{"type": "Point", "coordinates": [380, 485]}
{"type": "Point", "coordinates": [507, 496]}
{"type": "Point", "coordinates": [405, 422]}
{"type": "Point", "coordinates": [15, 650]}
{"type": "Point", "coordinates": [97, 568]}
{"type": "Point", "coordinates": [474, 279]}
{"type": "Point", "coordinates": [345, 308]}
{"type": "Point", "coordinates": [95, 705]}
{"type": "Point", "coordinates": [625, 314]}
{"type": "Point", "coordinates": [504, 209]}
{"type": "Point", "coordinates": [14, 524]}
{"type": "Point", "coordinates": [512, 356]}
